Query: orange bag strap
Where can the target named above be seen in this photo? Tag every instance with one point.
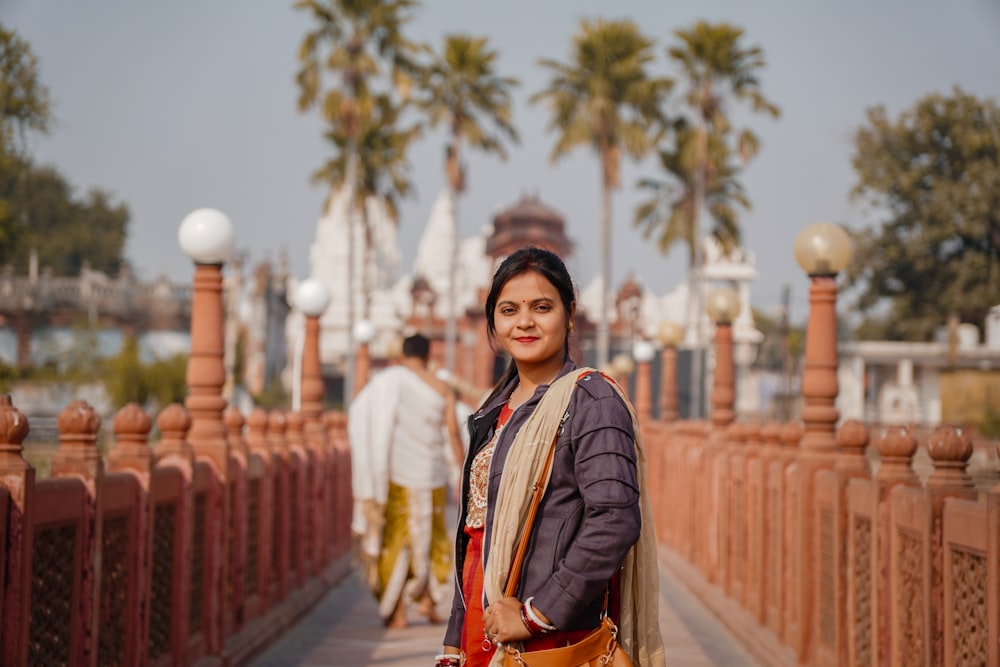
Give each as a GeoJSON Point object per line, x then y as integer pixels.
{"type": "Point", "coordinates": [537, 491]}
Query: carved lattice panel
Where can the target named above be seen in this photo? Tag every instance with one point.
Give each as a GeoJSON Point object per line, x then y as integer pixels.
{"type": "Point", "coordinates": [293, 516]}
{"type": "Point", "coordinates": [910, 606]}
{"type": "Point", "coordinates": [114, 590]}
{"type": "Point", "coordinates": [861, 576]}
{"type": "Point", "coordinates": [253, 535]}
{"type": "Point", "coordinates": [969, 624]}
{"type": "Point", "coordinates": [52, 570]}
{"type": "Point", "coordinates": [197, 581]}
{"type": "Point", "coordinates": [827, 578]}
{"type": "Point", "coordinates": [276, 528]}
{"type": "Point", "coordinates": [164, 523]}
{"type": "Point", "coordinates": [308, 514]}
{"type": "Point", "coordinates": [231, 541]}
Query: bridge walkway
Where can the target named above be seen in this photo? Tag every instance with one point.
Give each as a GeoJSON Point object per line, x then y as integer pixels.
{"type": "Point", "coordinates": [344, 630]}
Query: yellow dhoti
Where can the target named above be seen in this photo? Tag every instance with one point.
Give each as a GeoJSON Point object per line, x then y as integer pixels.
{"type": "Point", "coordinates": [416, 554]}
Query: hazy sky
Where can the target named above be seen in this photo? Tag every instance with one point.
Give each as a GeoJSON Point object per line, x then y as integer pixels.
{"type": "Point", "coordinates": [177, 105]}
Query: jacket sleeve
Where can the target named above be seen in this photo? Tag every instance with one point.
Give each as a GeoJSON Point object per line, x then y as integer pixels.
{"type": "Point", "coordinates": [453, 635]}
{"type": "Point", "coordinates": [604, 467]}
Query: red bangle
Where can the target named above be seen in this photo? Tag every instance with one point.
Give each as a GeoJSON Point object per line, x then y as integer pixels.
{"type": "Point", "coordinates": [534, 628]}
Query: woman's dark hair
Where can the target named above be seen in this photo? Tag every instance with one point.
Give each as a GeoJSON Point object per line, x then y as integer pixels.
{"type": "Point", "coordinates": [546, 264]}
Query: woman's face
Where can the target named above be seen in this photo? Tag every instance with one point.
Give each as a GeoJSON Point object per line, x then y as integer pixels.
{"type": "Point", "coordinates": [531, 322]}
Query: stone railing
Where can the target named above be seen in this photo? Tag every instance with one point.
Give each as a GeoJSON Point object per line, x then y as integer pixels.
{"type": "Point", "coordinates": [155, 556]}
{"type": "Point", "coordinates": [844, 559]}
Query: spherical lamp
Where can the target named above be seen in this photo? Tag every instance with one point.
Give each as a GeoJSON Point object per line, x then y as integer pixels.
{"type": "Point", "coordinates": [312, 297]}
{"type": "Point", "coordinates": [206, 236]}
{"type": "Point", "coordinates": [670, 334]}
{"type": "Point", "coordinates": [622, 365]}
{"type": "Point", "coordinates": [723, 305]}
{"type": "Point", "coordinates": [364, 331]}
{"type": "Point", "coordinates": [643, 351]}
{"type": "Point", "coordinates": [823, 249]}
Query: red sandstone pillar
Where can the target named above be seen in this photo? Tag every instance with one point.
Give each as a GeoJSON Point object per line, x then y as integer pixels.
{"type": "Point", "coordinates": [723, 306]}
{"type": "Point", "coordinates": [132, 454]}
{"type": "Point", "coordinates": [18, 478]}
{"type": "Point", "coordinates": [77, 456]}
{"type": "Point", "coordinates": [312, 298]}
{"type": "Point", "coordinates": [723, 392]}
{"type": "Point", "coordinates": [670, 335]}
{"type": "Point", "coordinates": [822, 250]}
{"type": "Point", "coordinates": [643, 353]}
{"type": "Point", "coordinates": [206, 236]}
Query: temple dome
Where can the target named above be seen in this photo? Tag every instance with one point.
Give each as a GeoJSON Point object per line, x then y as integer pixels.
{"type": "Point", "coordinates": [528, 222]}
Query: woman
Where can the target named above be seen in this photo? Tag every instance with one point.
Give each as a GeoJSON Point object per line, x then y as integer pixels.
{"type": "Point", "coordinates": [589, 536]}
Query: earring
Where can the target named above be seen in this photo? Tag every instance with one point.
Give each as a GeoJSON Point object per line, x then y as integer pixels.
{"type": "Point", "coordinates": [571, 325]}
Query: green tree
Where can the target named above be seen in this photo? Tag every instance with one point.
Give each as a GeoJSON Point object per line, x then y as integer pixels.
{"type": "Point", "coordinates": [381, 169]}
{"type": "Point", "coordinates": [24, 100]}
{"type": "Point", "coordinates": [606, 97]}
{"type": "Point", "coordinates": [933, 175]}
{"type": "Point", "coordinates": [463, 90]}
{"type": "Point", "coordinates": [124, 379]}
{"type": "Point", "coordinates": [670, 212]}
{"type": "Point", "coordinates": [64, 230]}
{"type": "Point", "coordinates": [24, 107]}
{"type": "Point", "coordinates": [717, 68]}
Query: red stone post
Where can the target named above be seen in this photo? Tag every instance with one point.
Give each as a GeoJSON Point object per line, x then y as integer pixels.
{"type": "Point", "coordinates": [822, 250]}
{"type": "Point", "coordinates": [670, 335]}
{"type": "Point", "coordinates": [206, 236]}
{"type": "Point", "coordinates": [643, 352]}
{"type": "Point", "coordinates": [18, 478]}
{"type": "Point", "coordinates": [132, 454]}
{"type": "Point", "coordinates": [723, 306]}
{"type": "Point", "coordinates": [312, 298]}
{"type": "Point", "coordinates": [78, 456]}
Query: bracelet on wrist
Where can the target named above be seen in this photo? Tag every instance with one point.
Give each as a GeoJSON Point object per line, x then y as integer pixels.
{"type": "Point", "coordinates": [448, 660]}
{"type": "Point", "coordinates": [534, 617]}
{"type": "Point", "coordinates": [532, 627]}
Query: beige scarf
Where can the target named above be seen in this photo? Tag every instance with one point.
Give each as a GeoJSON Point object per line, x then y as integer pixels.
{"type": "Point", "coordinates": [638, 627]}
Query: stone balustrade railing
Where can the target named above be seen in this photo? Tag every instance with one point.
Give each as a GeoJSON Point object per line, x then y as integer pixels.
{"type": "Point", "coordinates": [115, 562]}
{"type": "Point", "coordinates": [850, 560]}
{"type": "Point", "coordinates": [117, 296]}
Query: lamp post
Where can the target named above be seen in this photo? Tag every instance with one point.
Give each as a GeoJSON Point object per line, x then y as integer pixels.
{"type": "Point", "coordinates": [670, 335]}
{"type": "Point", "coordinates": [643, 352]}
{"type": "Point", "coordinates": [723, 305]}
{"type": "Point", "coordinates": [364, 331]}
{"type": "Point", "coordinates": [822, 250]}
{"type": "Point", "coordinates": [312, 298]}
{"type": "Point", "coordinates": [207, 237]}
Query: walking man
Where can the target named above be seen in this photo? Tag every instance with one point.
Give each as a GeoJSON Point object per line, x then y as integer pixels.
{"type": "Point", "coordinates": [400, 427]}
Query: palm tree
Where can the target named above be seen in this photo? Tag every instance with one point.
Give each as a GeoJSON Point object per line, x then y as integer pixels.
{"type": "Point", "coordinates": [353, 48]}
{"type": "Point", "coordinates": [670, 212]}
{"type": "Point", "coordinates": [606, 97]}
{"type": "Point", "coordinates": [717, 67]}
{"type": "Point", "coordinates": [463, 90]}
{"type": "Point", "coordinates": [381, 169]}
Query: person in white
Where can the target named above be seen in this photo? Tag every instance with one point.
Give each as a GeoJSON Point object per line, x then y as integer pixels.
{"type": "Point", "coordinates": [404, 439]}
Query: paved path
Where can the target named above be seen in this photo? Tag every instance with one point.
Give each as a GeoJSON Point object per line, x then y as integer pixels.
{"type": "Point", "coordinates": [344, 630]}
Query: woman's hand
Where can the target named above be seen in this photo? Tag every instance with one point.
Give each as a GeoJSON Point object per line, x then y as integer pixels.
{"type": "Point", "coordinates": [502, 621]}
